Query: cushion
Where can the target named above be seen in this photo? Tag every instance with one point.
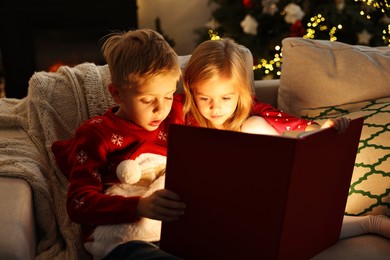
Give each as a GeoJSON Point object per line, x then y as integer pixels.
{"type": "Point", "coordinates": [317, 73]}
{"type": "Point", "coordinates": [322, 79]}
{"type": "Point", "coordinates": [369, 192]}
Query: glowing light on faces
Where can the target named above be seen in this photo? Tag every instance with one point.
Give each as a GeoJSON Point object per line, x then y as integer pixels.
{"type": "Point", "coordinates": [149, 104]}
{"type": "Point", "coordinates": [216, 100]}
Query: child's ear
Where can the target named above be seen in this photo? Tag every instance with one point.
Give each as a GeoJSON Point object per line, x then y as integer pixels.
{"type": "Point", "coordinates": [114, 91]}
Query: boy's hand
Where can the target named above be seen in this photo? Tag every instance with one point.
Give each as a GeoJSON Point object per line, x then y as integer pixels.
{"type": "Point", "coordinates": [161, 205]}
{"type": "Point", "coordinates": [339, 123]}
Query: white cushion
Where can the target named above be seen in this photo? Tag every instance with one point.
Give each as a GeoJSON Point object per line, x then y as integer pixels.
{"type": "Point", "coordinates": [317, 73]}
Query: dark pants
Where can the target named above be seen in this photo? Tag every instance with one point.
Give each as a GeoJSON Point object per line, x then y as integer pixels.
{"type": "Point", "coordinates": [138, 250]}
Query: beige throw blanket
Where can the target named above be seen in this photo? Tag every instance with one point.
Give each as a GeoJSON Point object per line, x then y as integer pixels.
{"type": "Point", "coordinates": [56, 104]}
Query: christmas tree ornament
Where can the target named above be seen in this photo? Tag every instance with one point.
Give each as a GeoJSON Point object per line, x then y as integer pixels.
{"type": "Point", "coordinates": [269, 6]}
{"type": "Point", "coordinates": [248, 4]}
{"type": "Point", "coordinates": [364, 37]}
{"type": "Point", "coordinates": [293, 13]}
{"type": "Point", "coordinates": [297, 29]}
{"type": "Point", "coordinates": [340, 5]}
{"type": "Point", "coordinates": [249, 25]}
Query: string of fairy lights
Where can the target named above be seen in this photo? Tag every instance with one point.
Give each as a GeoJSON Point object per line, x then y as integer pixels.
{"type": "Point", "coordinates": [384, 7]}
{"type": "Point", "coordinates": [315, 24]}
{"type": "Point", "coordinates": [381, 5]}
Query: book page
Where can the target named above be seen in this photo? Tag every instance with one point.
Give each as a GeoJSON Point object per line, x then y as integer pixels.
{"type": "Point", "coordinates": [301, 134]}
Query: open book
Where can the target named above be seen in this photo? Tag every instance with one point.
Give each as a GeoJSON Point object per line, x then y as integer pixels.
{"type": "Point", "coordinates": [254, 196]}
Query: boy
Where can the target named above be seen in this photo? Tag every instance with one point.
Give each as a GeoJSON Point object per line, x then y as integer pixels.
{"type": "Point", "coordinates": [144, 72]}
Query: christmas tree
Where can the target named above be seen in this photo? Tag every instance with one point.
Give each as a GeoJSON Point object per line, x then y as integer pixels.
{"type": "Point", "coordinates": [261, 25]}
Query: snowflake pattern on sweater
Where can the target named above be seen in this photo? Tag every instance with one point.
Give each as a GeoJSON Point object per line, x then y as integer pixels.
{"type": "Point", "coordinates": [278, 119]}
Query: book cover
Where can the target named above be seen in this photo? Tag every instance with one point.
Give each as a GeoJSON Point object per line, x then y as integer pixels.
{"type": "Point", "coordinates": [254, 196]}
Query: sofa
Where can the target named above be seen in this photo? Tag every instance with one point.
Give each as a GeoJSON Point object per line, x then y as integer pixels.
{"type": "Point", "coordinates": [319, 80]}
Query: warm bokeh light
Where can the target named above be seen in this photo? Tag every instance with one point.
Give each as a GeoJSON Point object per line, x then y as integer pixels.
{"type": "Point", "coordinates": [316, 25]}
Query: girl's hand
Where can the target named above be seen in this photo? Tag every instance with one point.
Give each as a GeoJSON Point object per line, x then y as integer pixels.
{"type": "Point", "coordinates": [161, 205]}
{"type": "Point", "coordinates": [339, 123]}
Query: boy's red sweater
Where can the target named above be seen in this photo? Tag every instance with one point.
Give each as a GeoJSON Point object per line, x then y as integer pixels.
{"type": "Point", "coordinates": [89, 161]}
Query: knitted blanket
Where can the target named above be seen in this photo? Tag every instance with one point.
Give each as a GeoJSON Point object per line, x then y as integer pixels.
{"type": "Point", "coordinates": [56, 104]}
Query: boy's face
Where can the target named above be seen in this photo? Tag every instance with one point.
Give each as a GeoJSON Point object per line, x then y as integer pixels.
{"type": "Point", "coordinates": [216, 100]}
{"type": "Point", "coordinates": [149, 104]}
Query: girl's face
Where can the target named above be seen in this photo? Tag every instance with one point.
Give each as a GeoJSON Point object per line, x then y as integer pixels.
{"type": "Point", "coordinates": [216, 100]}
{"type": "Point", "coordinates": [149, 104]}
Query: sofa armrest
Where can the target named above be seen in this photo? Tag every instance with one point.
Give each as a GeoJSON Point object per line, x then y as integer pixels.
{"type": "Point", "coordinates": [267, 91]}
{"type": "Point", "coordinates": [17, 233]}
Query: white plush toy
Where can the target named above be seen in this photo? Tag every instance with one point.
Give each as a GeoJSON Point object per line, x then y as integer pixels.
{"type": "Point", "coordinates": [139, 177]}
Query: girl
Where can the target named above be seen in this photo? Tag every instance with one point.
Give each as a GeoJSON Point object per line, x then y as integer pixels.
{"type": "Point", "coordinates": [219, 94]}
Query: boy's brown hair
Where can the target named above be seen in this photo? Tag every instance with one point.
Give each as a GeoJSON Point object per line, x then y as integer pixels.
{"type": "Point", "coordinates": [138, 55]}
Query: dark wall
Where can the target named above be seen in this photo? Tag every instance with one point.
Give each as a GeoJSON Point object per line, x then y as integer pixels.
{"type": "Point", "coordinates": [19, 23]}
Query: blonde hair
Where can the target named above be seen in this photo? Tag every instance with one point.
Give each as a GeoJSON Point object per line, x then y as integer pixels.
{"type": "Point", "coordinates": [215, 59]}
{"type": "Point", "coordinates": [136, 56]}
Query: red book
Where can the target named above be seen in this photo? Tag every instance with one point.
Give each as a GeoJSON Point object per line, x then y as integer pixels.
{"type": "Point", "coordinates": [254, 196]}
